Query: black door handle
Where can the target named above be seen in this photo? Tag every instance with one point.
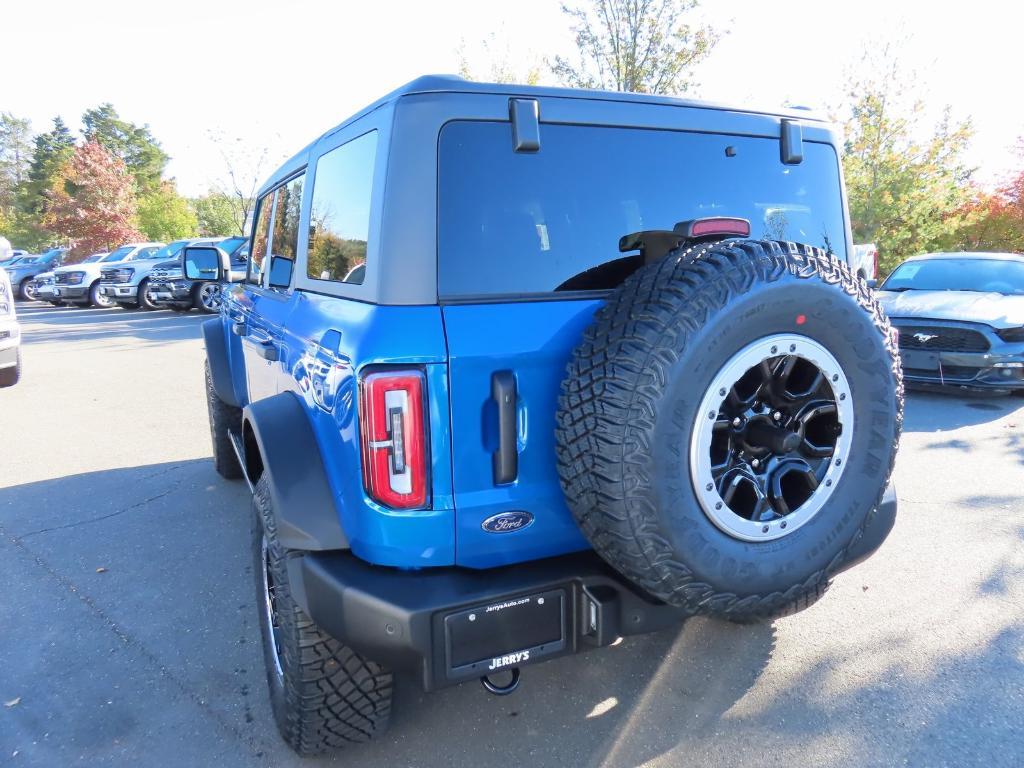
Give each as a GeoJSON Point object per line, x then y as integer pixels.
{"type": "Point", "coordinates": [505, 460]}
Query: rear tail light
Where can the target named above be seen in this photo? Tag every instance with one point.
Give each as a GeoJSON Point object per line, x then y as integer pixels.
{"type": "Point", "coordinates": [393, 432]}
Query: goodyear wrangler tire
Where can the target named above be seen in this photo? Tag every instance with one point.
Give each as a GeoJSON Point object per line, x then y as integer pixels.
{"type": "Point", "coordinates": [728, 425]}
{"type": "Point", "coordinates": [323, 694]}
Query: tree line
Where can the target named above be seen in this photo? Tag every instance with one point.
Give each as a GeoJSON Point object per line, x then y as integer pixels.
{"type": "Point", "coordinates": [100, 189]}
{"type": "Point", "coordinates": [909, 187]}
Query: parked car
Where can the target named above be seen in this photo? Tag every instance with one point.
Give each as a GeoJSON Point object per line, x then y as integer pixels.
{"type": "Point", "coordinates": [170, 288]}
{"type": "Point", "coordinates": [81, 283]}
{"type": "Point", "coordinates": [42, 289]}
{"type": "Point", "coordinates": [10, 334]}
{"type": "Point", "coordinates": [960, 318]}
{"type": "Point", "coordinates": [525, 428]}
{"type": "Point", "coordinates": [26, 268]}
{"type": "Point", "coordinates": [864, 261]}
{"type": "Point", "coordinates": [127, 283]}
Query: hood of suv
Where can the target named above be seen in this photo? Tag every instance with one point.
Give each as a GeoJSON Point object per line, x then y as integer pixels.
{"type": "Point", "coordinates": [164, 269]}
{"type": "Point", "coordinates": [995, 309]}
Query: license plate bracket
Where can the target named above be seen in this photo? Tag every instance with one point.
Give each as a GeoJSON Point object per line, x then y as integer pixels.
{"type": "Point", "coordinates": [509, 633]}
{"type": "Point", "coordinates": [924, 361]}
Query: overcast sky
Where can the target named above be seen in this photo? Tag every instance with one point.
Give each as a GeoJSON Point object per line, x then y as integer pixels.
{"type": "Point", "coordinates": [276, 75]}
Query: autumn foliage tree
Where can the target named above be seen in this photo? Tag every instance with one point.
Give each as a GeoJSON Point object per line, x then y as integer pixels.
{"type": "Point", "coordinates": [906, 176]}
{"type": "Point", "coordinates": [646, 46]}
{"type": "Point", "coordinates": [995, 220]}
{"type": "Point", "coordinates": [92, 202]}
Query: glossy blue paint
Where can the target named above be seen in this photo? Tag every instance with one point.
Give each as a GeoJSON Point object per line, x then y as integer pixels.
{"type": "Point", "coordinates": [533, 340]}
{"type": "Point", "coordinates": [326, 343]}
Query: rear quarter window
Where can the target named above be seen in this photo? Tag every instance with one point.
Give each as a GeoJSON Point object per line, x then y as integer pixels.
{"type": "Point", "coordinates": [339, 219]}
{"type": "Point", "coordinates": [522, 223]}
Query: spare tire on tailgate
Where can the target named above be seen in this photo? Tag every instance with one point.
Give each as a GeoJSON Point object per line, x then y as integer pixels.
{"type": "Point", "coordinates": [728, 425]}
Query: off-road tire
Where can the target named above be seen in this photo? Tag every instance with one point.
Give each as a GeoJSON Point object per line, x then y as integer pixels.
{"type": "Point", "coordinates": [144, 302]}
{"type": "Point", "coordinates": [629, 403]}
{"type": "Point", "coordinates": [327, 695]}
{"type": "Point", "coordinates": [11, 376]}
{"type": "Point", "coordinates": [224, 419]}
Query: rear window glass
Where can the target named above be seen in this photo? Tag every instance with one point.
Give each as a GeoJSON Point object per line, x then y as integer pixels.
{"type": "Point", "coordinates": [520, 223]}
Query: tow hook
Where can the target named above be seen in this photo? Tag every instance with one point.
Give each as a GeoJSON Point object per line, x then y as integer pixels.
{"type": "Point", "coordinates": [501, 690]}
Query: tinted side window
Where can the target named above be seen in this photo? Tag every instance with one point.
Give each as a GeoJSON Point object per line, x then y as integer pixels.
{"type": "Point", "coordinates": [339, 220]}
{"type": "Point", "coordinates": [512, 223]}
{"type": "Point", "coordinates": [260, 237]}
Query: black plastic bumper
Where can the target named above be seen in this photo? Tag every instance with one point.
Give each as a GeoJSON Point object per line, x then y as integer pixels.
{"type": "Point", "coordinates": [448, 625]}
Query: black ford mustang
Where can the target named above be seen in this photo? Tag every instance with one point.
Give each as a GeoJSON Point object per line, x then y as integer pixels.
{"type": "Point", "coordinates": [961, 319]}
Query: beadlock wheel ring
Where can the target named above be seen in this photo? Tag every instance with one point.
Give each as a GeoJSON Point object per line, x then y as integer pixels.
{"type": "Point", "coordinates": [270, 609]}
{"type": "Point", "coordinates": [771, 437]}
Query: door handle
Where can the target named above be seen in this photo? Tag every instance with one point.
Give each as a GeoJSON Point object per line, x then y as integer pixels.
{"type": "Point", "coordinates": [505, 460]}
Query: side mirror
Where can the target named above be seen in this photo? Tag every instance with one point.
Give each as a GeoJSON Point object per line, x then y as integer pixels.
{"type": "Point", "coordinates": [872, 283]}
{"type": "Point", "coordinates": [202, 263]}
{"type": "Point", "coordinates": [280, 272]}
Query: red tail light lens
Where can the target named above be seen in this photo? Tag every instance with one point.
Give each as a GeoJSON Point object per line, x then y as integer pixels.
{"type": "Point", "coordinates": [393, 432]}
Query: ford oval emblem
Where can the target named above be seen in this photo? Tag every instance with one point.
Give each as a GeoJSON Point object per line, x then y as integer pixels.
{"type": "Point", "coordinates": [506, 522]}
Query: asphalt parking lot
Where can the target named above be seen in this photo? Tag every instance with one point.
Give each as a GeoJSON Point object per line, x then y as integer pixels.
{"type": "Point", "coordinates": [128, 632]}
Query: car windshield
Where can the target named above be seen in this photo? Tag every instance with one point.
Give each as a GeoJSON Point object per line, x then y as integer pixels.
{"type": "Point", "coordinates": [93, 258]}
{"type": "Point", "coordinates": [231, 245]}
{"type": "Point", "coordinates": [118, 254]}
{"type": "Point", "coordinates": [966, 274]}
{"type": "Point", "coordinates": [27, 260]}
{"type": "Point", "coordinates": [169, 251]}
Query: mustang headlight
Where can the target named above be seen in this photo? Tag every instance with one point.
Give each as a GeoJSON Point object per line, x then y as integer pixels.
{"type": "Point", "coordinates": [1011, 335]}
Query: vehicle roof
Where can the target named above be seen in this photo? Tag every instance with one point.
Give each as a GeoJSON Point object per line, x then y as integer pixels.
{"type": "Point", "coordinates": [967, 255]}
{"type": "Point", "coordinates": [458, 85]}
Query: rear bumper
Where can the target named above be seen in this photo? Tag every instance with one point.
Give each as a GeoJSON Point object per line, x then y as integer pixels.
{"type": "Point", "coordinates": [425, 621]}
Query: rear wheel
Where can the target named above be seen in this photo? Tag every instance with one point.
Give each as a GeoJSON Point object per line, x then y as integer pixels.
{"type": "Point", "coordinates": [224, 419]}
{"type": "Point", "coordinates": [728, 426]}
{"type": "Point", "coordinates": [323, 694]}
{"type": "Point", "coordinates": [98, 299]}
{"type": "Point", "coordinates": [11, 376]}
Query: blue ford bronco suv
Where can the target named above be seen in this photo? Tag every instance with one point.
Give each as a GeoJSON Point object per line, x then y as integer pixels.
{"type": "Point", "coordinates": [518, 371]}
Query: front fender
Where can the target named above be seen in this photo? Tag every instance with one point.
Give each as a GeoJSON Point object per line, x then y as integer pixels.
{"type": "Point", "coordinates": [304, 508]}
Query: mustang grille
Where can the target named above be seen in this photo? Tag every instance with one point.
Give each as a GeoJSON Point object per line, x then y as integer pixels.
{"type": "Point", "coordinates": [942, 339]}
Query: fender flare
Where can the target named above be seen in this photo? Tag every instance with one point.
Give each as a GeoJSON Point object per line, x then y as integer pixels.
{"type": "Point", "coordinates": [304, 508]}
{"type": "Point", "coordinates": [217, 354]}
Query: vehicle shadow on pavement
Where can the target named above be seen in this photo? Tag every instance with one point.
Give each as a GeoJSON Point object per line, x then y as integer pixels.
{"type": "Point", "coordinates": [143, 643]}
{"type": "Point", "coordinates": [126, 327]}
{"type": "Point", "coordinates": [934, 412]}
